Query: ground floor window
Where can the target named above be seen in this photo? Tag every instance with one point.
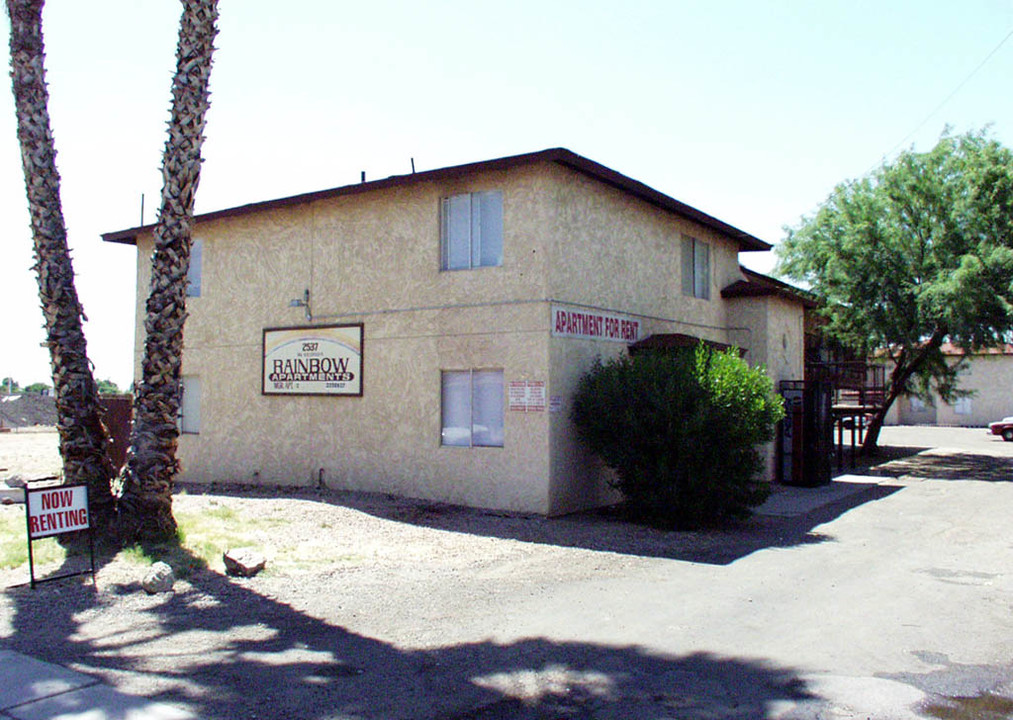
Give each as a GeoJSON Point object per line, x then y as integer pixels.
{"type": "Point", "coordinates": [189, 404]}
{"type": "Point", "coordinates": [472, 408]}
{"type": "Point", "coordinates": [962, 406]}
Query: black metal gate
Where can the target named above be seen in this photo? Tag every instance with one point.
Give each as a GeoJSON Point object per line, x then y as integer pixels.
{"type": "Point", "coordinates": [805, 444]}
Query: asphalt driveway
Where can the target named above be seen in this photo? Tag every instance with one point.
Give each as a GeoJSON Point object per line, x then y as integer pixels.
{"type": "Point", "coordinates": [897, 606]}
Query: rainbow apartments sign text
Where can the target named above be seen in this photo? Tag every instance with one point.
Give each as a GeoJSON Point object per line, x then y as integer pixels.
{"type": "Point", "coordinates": [323, 360]}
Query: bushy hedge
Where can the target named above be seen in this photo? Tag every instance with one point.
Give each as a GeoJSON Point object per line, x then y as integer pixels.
{"type": "Point", "coordinates": [681, 430]}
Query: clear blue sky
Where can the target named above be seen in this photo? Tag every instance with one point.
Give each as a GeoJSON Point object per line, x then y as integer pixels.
{"type": "Point", "coordinates": [750, 111]}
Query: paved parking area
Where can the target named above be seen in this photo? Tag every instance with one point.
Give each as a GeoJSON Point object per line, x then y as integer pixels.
{"type": "Point", "coordinates": [975, 440]}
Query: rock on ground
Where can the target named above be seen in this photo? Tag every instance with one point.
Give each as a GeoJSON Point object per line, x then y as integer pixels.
{"type": "Point", "coordinates": [244, 562]}
{"type": "Point", "coordinates": [158, 579]}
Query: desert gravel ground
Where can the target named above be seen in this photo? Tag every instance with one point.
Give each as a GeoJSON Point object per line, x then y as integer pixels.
{"type": "Point", "coordinates": [412, 578]}
{"type": "Point", "coordinates": [407, 609]}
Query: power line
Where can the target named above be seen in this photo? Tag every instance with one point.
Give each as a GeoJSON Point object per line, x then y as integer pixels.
{"type": "Point", "coordinates": [950, 96]}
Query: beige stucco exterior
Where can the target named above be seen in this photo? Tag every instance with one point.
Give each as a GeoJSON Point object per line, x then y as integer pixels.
{"type": "Point", "coordinates": [772, 329]}
{"type": "Point", "coordinates": [989, 377]}
{"type": "Point", "coordinates": [373, 257]}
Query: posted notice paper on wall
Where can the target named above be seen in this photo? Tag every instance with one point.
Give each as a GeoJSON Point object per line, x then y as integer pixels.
{"type": "Point", "coordinates": [526, 396]}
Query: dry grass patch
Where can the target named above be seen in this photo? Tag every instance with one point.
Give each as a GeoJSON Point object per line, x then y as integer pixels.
{"type": "Point", "coordinates": [14, 542]}
{"type": "Point", "coordinates": [207, 527]}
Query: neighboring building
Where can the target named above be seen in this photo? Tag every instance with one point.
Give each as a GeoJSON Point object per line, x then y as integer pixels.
{"type": "Point", "coordinates": [470, 301]}
{"type": "Point", "coordinates": [988, 374]}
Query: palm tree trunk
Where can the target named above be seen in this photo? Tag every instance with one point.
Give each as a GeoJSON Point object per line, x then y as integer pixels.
{"type": "Point", "coordinates": [146, 496]}
{"type": "Point", "coordinates": [83, 437]}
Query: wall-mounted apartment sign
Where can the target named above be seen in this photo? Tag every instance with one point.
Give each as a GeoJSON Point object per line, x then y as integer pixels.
{"type": "Point", "coordinates": [320, 360]}
{"type": "Point", "coordinates": [526, 395]}
{"type": "Point", "coordinates": [594, 325]}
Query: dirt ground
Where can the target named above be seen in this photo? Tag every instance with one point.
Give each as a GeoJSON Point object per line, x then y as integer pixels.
{"type": "Point", "coordinates": [29, 453]}
{"type": "Point", "coordinates": [27, 410]}
{"type": "Point", "coordinates": [415, 612]}
{"type": "Point", "coordinates": [403, 580]}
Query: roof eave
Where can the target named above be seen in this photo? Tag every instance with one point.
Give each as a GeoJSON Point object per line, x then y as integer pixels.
{"type": "Point", "coordinates": [760, 285]}
{"type": "Point", "coordinates": [608, 176]}
{"type": "Point", "coordinates": [560, 156]}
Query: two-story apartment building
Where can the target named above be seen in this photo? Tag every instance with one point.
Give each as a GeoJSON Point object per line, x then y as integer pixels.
{"type": "Point", "coordinates": [422, 335]}
{"type": "Point", "coordinates": [986, 374]}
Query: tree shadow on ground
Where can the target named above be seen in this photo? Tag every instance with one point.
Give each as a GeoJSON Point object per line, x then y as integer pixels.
{"type": "Point", "coordinates": [945, 464]}
{"type": "Point", "coordinates": [604, 530]}
{"type": "Point", "coordinates": [223, 650]}
{"type": "Point", "coordinates": [855, 461]}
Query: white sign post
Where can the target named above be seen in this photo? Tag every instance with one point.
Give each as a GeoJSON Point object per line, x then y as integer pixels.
{"type": "Point", "coordinates": [57, 510]}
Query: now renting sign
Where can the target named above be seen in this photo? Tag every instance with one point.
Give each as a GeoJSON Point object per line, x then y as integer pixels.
{"type": "Point", "coordinates": [57, 510]}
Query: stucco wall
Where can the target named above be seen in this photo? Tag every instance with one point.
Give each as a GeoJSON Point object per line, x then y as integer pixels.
{"type": "Point", "coordinates": [374, 258]}
{"type": "Point", "coordinates": [907, 411]}
{"type": "Point", "coordinates": [376, 251]}
{"type": "Point", "coordinates": [772, 330]}
{"type": "Point", "coordinates": [579, 478]}
{"type": "Point", "coordinates": [389, 439]}
{"type": "Point", "coordinates": [619, 253]}
{"type": "Point", "coordinates": [989, 377]}
{"type": "Point", "coordinates": [784, 342]}
{"type": "Point", "coordinates": [615, 253]}
{"type": "Point", "coordinates": [748, 327]}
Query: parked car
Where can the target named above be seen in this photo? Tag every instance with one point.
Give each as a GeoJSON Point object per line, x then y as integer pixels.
{"type": "Point", "coordinates": [856, 421]}
{"type": "Point", "coordinates": [1003, 427]}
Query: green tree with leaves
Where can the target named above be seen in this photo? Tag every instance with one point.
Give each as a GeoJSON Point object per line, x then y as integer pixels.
{"type": "Point", "coordinates": [916, 254]}
{"type": "Point", "coordinates": [108, 387]}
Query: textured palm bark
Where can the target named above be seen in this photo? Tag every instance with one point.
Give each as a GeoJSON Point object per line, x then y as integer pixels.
{"type": "Point", "coordinates": [145, 501]}
{"type": "Point", "coordinates": [83, 437]}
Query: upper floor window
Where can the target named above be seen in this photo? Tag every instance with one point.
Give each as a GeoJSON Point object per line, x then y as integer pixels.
{"type": "Point", "coordinates": [471, 230]}
{"type": "Point", "coordinates": [696, 268]}
{"type": "Point", "coordinates": [193, 274]}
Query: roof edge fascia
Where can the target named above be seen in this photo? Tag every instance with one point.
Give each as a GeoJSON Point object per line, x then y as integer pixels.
{"type": "Point", "coordinates": [560, 156]}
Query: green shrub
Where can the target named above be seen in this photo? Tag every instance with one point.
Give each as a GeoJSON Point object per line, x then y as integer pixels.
{"type": "Point", "coordinates": [681, 430]}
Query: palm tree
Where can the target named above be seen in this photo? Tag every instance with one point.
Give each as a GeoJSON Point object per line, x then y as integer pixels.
{"type": "Point", "coordinates": [145, 502]}
{"type": "Point", "coordinates": [83, 437]}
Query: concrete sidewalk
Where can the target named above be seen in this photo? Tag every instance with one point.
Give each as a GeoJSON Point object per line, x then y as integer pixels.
{"type": "Point", "coordinates": [790, 501]}
{"type": "Point", "coordinates": [34, 690]}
